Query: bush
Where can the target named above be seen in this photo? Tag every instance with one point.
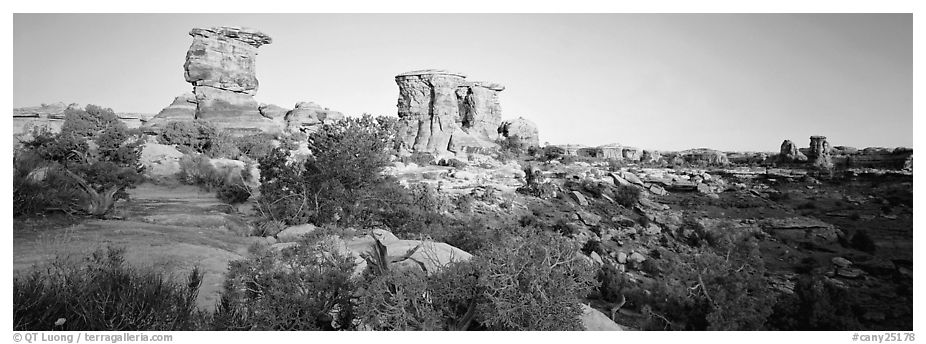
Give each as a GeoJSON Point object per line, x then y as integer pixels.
{"type": "Point", "coordinates": [306, 287]}
{"type": "Point", "coordinates": [255, 146]}
{"type": "Point", "coordinates": [817, 304]}
{"type": "Point", "coordinates": [862, 241]}
{"type": "Point", "coordinates": [510, 148]}
{"type": "Point", "coordinates": [533, 283]}
{"type": "Point", "coordinates": [628, 196]}
{"type": "Point", "coordinates": [196, 169]}
{"type": "Point", "coordinates": [99, 153]}
{"type": "Point", "coordinates": [614, 165]}
{"type": "Point", "coordinates": [234, 193]}
{"type": "Point", "coordinates": [718, 285]}
{"type": "Point", "coordinates": [40, 187]}
{"type": "Point", "coordinates": [553, 152]}
{"type": "Point", "coordinates": [396, 301]}
{"type": "Point", "coordinates": [197, 135]}
{"type": "Point", "coordinates": [337, 184]}
{"type": "Point", "coordinates": [103, 294]}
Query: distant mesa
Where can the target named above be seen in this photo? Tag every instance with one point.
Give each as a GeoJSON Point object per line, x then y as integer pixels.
{"type": "Point", "coordinates": [51, 116]}
{"type": "Point", "coordinates": [819, 154]}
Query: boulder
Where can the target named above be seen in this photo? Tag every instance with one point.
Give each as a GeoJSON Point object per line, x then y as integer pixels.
{"type": "Point", "coordinates": [636, 258]}
{"type": "Point", "coordinates": [428, 256]}
{"type": "Point", "coordinates": [632, 178]}
{"type": "Point", "coordinates": [308, 117]}
{"type": "Point", "coordinates": [522, 128]}
{"type": "Point", "coordinates": [622, 258]}
{"type": "Point", "coordinates": [589, 218]}
{"type": "Point", "coordinates": [580, 198]}
{"type": "Point", "coordinates": [841, 262]}
{"type": "Point", "coordinates": [294, 233]}
{"type": "Point", "coordinates": [802, 229]}
{"type": "Point", "coordinates": [594, 320]}
{"type": "Point", "coordinates": [160, 160]}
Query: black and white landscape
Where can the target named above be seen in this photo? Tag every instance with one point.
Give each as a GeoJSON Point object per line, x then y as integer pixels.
{"type": "Point", "coordinates": [461, 172]}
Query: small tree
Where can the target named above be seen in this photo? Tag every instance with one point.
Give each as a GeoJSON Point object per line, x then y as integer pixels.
{"type": "Point", "coordinates": [98, 152]}
{"type": "Point", "coordinates": [346, 164]}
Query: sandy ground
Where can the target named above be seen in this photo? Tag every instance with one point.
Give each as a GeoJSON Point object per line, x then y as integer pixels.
{"type": "Point", "coordinates": [171, 229]}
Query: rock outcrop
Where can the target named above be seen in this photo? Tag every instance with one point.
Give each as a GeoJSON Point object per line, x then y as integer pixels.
{"type": "Point", "coordinates": [440, 112]}
{"type": "Point", "coordinates": [51, 117]}
{"type": "Point", "coordinates": [428, 109]}
{"type": "Point", "coordinates": [221, 66]}
{"type": "Point", "coordinates": [183, 108]}
{"type": "Point", "coordinates": [820, 153]}
{"type": "Point", "coordinates": [307, 117]}
{"type": "Point", "coordinates": [790, 154]}
{"type": "Point", "coordinates": [523, 129]}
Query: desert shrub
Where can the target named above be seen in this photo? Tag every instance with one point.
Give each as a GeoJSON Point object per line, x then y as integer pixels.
{"type": "Point", "coordinates": [306, 287]}
{"type": "Point", "coordinates": [265, 228]}
{"type": "Point", "coordinates": [553, 152]}
{"type": "Point", "coordinates": [817, 304]}
{"type": "Point", "coordinates": [510, 148]}
{"type": "Point", "coordinates": [862, 241]}
{"type": "Point", "coordinates": [256, 146]}
{"type": "Point", "coordinates": [614, 165]}
{"type": "Point", "coordinates": [233, 193]}
{"type": "Point", "coordinates": [337, 183]}
{"type": "Point", "coordinates": [101, 293]}
{"type": "Point", "coordinates": [532, 282]}
{"type": "Point", "coordinates": [40, 187]}
{"type": "Point", "coordinates": [419, 158]}
{"type": "Point", "coordinates": [718, 285]}
{"type": "Point", "coordinates": [223, 145]}
{"type": "Point", "coordinates": [452, 162]}
{"type": "Point", "coordinates": [396, 301]}
{"type": "Point", "coordinates": [628, 196]}
{"type": "Point", "coordinates": [87, 122]}
{"type": "Point", "coordinates": [99, 154]}
{"type": "Point", "coordinates": [196, 169]}
{"type": "Point", "coordinates": [196, 135]}
{"type": "Point", "coordinates": [810, 205]}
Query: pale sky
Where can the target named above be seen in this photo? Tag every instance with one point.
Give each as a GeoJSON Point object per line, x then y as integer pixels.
{"type": "Point", "coordinates": [656, 81]}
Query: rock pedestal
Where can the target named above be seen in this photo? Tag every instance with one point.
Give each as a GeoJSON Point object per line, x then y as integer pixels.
{"type": "Point", "coordinates": [221, 66]}
{"type": "Point", "coordinates": [820, 152]}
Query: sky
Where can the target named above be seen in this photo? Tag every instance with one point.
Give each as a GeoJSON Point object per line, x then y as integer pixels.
{"type": "Point", "coordinates": [734, 82]}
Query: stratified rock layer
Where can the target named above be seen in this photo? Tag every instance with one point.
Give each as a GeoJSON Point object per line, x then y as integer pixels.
{"type": "Point", "coordinates": [224, 58]}
{"type": "Point", "coordinates": [440, 112]}
{"type": "Point", "coordinates": [308, 117]}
